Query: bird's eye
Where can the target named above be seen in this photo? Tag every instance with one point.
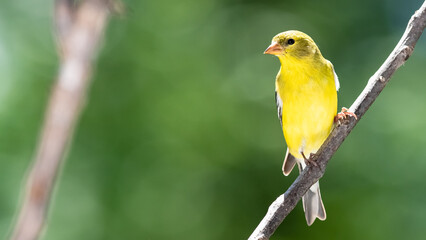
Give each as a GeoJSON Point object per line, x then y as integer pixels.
{"type": "Point", "coordinates": [290, 41]}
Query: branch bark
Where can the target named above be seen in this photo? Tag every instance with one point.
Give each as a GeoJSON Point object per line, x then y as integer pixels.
{"type": "Point", "coordinates": [285, 203]}
{"type": "Point", "coordinates": [79, 29]}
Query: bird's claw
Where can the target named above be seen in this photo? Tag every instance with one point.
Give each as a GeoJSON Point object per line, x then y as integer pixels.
{"type": "Point", "coordinates": [310, 160]}
{"type": "Point", "coordinates": [343, 115]}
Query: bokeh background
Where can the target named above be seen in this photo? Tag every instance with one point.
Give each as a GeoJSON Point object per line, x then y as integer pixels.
{"type": "Point", "coordinates": [180, 138]}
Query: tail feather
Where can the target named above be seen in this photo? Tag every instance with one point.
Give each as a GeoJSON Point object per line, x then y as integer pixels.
{"type": "Point", "coordinates": [312, 202]}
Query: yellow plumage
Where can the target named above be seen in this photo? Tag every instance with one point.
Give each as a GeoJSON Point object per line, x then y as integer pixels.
{"type": "Point", "coordinates": [306, 92]}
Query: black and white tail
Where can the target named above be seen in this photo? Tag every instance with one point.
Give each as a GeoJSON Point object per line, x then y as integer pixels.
{"type": "Point", "coordinates": [312, 202]}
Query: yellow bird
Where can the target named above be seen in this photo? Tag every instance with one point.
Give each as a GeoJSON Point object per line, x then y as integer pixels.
{"type": "Point", "coordinates": [306, 95]}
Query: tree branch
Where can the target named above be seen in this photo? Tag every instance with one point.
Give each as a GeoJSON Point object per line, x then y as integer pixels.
{"type": "Point", "coordinates": [285, 203]}
{"type": "Point", "coordinates": [79, 29]}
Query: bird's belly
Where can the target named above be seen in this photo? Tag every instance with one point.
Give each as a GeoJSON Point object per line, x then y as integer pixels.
{"type": "Point", "coordinates": [307, 121]}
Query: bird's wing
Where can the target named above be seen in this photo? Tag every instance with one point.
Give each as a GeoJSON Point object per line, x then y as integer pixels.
{"type": "Point", "coordinates": [336, 79]}
{"type": "Point", "coordinates": [289, 162]}
{"type": "Point", "coordinates": [279, 103]}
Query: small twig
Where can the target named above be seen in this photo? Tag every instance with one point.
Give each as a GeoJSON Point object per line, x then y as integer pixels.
{"type": "Point", "coordinates": [79, 30]}
{"type": "Point", "coordinates": [285, 203]}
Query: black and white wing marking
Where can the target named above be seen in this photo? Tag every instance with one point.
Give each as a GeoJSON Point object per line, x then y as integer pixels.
{"type": "Point", "coordinates": [279, 103]}
{"type": "Point", "coordinates": [336, 79]}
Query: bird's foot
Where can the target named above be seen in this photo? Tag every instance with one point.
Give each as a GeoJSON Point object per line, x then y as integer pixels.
{"type": "Point", "coordinates": [343, 115]}
{"type": "Point", "coordinates": [310, 160]}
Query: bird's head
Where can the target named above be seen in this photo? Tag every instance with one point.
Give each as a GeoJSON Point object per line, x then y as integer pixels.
{"type": "Point", "coordinates": [294, 44]}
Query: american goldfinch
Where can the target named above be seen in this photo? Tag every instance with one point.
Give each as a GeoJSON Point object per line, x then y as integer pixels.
{"type": "Point", "coordinates": [306, 95]}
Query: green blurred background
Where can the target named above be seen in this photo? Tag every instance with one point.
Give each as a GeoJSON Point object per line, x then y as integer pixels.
{"type": "Point", "coordinates": [180, 138]}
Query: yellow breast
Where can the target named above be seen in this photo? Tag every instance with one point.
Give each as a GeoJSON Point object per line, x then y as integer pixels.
{"type": "Point", "coordinates": [309, 103]}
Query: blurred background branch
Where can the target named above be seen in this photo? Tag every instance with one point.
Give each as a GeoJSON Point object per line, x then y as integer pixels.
{"type": "Point", "coordinates": [285, 203]}
{"type": "Point", "coordinates": [79, 31]}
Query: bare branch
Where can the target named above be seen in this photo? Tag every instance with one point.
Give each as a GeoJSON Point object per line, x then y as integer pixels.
{"type": "Point", "coordinates": [64, 18]}
{"type": "Point", "coordinates": [79, 31]}
{"type": "Point", "coordinates": [285, 203]}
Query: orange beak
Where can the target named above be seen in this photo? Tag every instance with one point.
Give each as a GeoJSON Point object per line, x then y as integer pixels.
{"type": "Point", "coordinates": [274, 49]}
